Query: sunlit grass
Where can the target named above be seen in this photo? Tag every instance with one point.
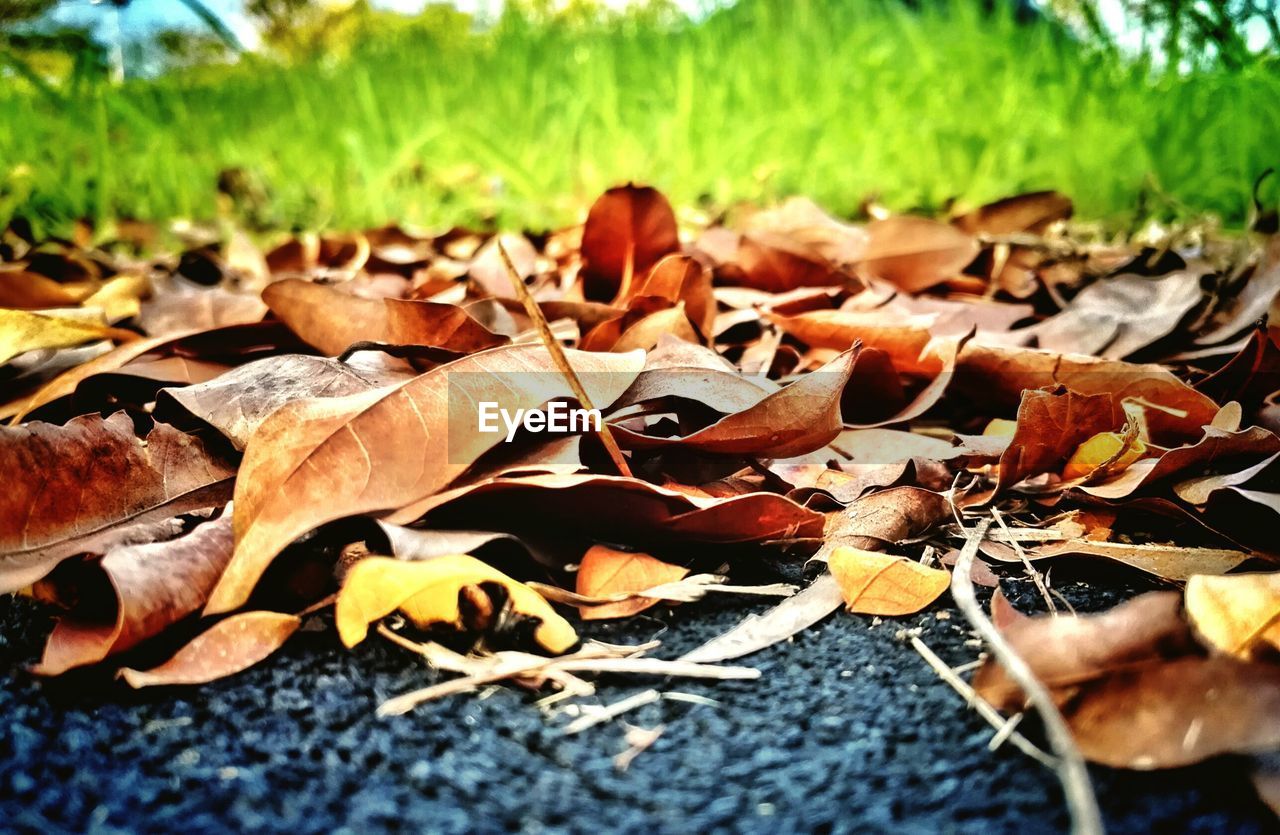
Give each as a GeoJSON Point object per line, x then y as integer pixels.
{"type": "Point", "coordinates": [527, 122]}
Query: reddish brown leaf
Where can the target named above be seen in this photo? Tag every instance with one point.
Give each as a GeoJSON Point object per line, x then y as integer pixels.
{"type": "Point", "coordinates": [1032, 212]}
{"type": "Point", "coordinates": [799, 418]}
{"type": "Point", "coordinates": [1051, 426]}
{"type": "Point", "coordinates": [237, 402]}
{"type": "Point", "coordinates": [332, 320]}
{"type": "Point", "coordinates": [149, 587]}
{"type": "Point", "coordinates": [229, 646]}
{"type": "Point", "coordinates": [629, 224]}
{"type": "Point", "coordinates": [605, 571]}
{"type": "Point", "coordinates": [75, 488]}
{"type": "Point", "coordinates": [302, 463]}
{"type": "Point", "coordinates": [915, 253]}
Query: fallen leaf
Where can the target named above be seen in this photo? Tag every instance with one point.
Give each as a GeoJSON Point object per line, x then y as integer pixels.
{"type": "Point", "coordinates": [1033, 212]}
{"type": "Point", "coordinates": [799, 418]}
{"type": "Point", "coordinates": [915, 253]}
{"type": "Point", "coordinates": [1119, 316]}
{"type": "Point", "coordinates": [148, 587]}
{"type": "Point", "coordinates": [1178, 713]}
{"type": "Point", "coordinates": [790, 617]}
{"type": "Point", "coordinates": [605, 571]}
{"type": "Point", "coordinates": [237, 402]}
{"type": "Point", "coordinates": [72, 489]}
{"type": "Point", "coordinates": [1237, 614]}
{"type": "Point", "coordinates": [301, 463]}
{"type": "Point", "coordinates": [628, 229]}
{"type": "Point", "coordinates": [229, 646]}
{"type": "Point", "coordinates": [882, 584]}
{"type": "Point", "coordinates": [1169, 562]}
{"type": "Point", "coordinates": [1051, 427]}
{"type": "Point", "coordinates": [427, 593]}
{"type": "Point", "coordinates": [1066, 651]}
{"type": "Point", "coordinates": [26, 330]}
{"type": "Point", "coordinates": [332, 320]}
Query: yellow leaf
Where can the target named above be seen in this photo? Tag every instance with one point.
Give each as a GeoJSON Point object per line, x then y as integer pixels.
{"type": "Point", "coordinates": [427, 593]}
{"type": "Point", "coordinates": [120, 297]}
{"type": "Point", "coordinates": [23, 330]}
{"type": "Point", "coordinates": [605, 571]}
{"type": "Point", "coordinates": [1236, 613]}
{"type": "Point", "coordinates": [1000, 428]}
{"type": "Point", "coordinates": [880, 584]}
{"type": "Point", "coordinates": [1111, 450]}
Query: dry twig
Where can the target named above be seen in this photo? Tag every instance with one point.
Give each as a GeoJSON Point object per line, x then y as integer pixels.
{"type": "Point", "coordinates": [1071, 769]}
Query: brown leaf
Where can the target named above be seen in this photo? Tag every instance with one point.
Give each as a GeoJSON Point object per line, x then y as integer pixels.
{"type": "Point", "coordinates": [777, 264]}
{"type": "Point", "coordinates": [903, 338]}
{"type": "Point", "coordinates": [1072, 650]}
{"type": "Point", "coordinates": [332, 320]}
{"type": "Point", "coordinates": [1178, 713]}
{"type": "Point", "coordinates": [1119, 316]}
{"type": "Point", "coordinates": [617, 508]}
{"type": "Point", "coordinates": [229, 646]}
{"type": "Point", "coordinates": [1033, 212]}
{"type": "Point", "coordinates": [72, 488]}
{"type": "Point", "coordinates": [998, 376]}
{"type": "Point", "coordinates": [237, 402]}
{"type": "Point", "coordinates": [799, 418]}
{"type": "Point", "coordinates": [302, 463]}
{"type": "Point", "coordinates": [605, 571]}
{"type": "Point", "coordinates": [628, 225]}
{"type": "Point", "coordinates": [1170, 562]}
{"type": "Point", "coordinates": [1051, 426]}
{"type": "Point", "coordinates": [1236, 615]}
{"type": "Point", "coordinates": [884, 518]}
{"type": "Point", "coordinates": [756, 632]}
{"type": "Point", "coordinates": [881, 584]}
{"type": "Point", "coordinates": [915, 253]}
{"type": "Point", "coordinates": [682, 278]}
{"type": "Point", "coordinates": [149, 588]}
{"type": "Point", "coordinates": [1219, 449]}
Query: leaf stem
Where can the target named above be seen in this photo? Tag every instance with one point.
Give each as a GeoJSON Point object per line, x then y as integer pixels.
{"type": "Point", "coordinates": [557, 355]}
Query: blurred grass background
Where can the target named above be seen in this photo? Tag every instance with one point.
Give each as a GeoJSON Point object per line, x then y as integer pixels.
{"type": "Point", "coordinates": [524, 121]}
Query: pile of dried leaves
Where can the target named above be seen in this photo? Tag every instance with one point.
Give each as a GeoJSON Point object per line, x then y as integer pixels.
{"type": "Point", "coordinates": [277, 432]}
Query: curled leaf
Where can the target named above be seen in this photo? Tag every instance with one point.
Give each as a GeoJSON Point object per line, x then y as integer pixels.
{"type": "Point", "coordinates": [605, 571]}
{"type": "Point", "coordinates": [427, 592]}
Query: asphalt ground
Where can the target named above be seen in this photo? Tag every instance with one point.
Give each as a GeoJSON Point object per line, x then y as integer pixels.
{"type": "Point", "coordinates": [847, 730]}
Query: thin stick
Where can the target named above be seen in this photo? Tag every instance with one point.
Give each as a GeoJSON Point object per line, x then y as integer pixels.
{"type": "Point", "coordinates": [605, 713]}
{"type": "Point", "coordinates": [557, 355]}
{"type": "Point", "coordinates": [1071, 769]}
{"type": "Point", "coordinates": [1022, 555]}
{"type": "Point", "coordinates": [979, 704]}
{"type": "Point", "coordinates": [1010, 727]}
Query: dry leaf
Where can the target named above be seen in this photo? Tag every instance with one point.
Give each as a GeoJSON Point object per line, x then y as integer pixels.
{"type": "Point", "coordinates": [73, 489]}
{"type": "Point", "coordinates": [427, 593]}
{"type": "Point", "coordinates": [229, 646]}
{"type": "Point", "coordinates": [1238, 614]}
{"type": "Point", "coordinates": [605, 571]}
{"type": "Point", "coordinates": [881, 584]}
{"type": "Point", "coordinates": [332, 320]}
{"type": "Point", "coordinates": [302, 462]}
{"type": "Point", "coordinates": [148, 587]}
{"type": "Point", "coordinates": [26, 330]}
{"type": "Point", "coordinates": [628, 230]}
{"type": "Point", "coordinates": [915, 253]}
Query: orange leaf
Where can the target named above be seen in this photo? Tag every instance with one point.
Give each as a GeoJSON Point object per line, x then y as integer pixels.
{"type": "Point", "coordinates": [880, 584]}
{"type": "Point", "coordinates": [229, 646]}
{"type": "Point", "coordinates": [605, 571]}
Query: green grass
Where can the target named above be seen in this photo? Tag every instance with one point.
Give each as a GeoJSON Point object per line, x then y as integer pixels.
{"type": "Point", "coordinates": [527, 122]}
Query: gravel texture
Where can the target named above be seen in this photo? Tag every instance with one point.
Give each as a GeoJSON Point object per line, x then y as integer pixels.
{"type": "Point", "coordinates": [847, 730]}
